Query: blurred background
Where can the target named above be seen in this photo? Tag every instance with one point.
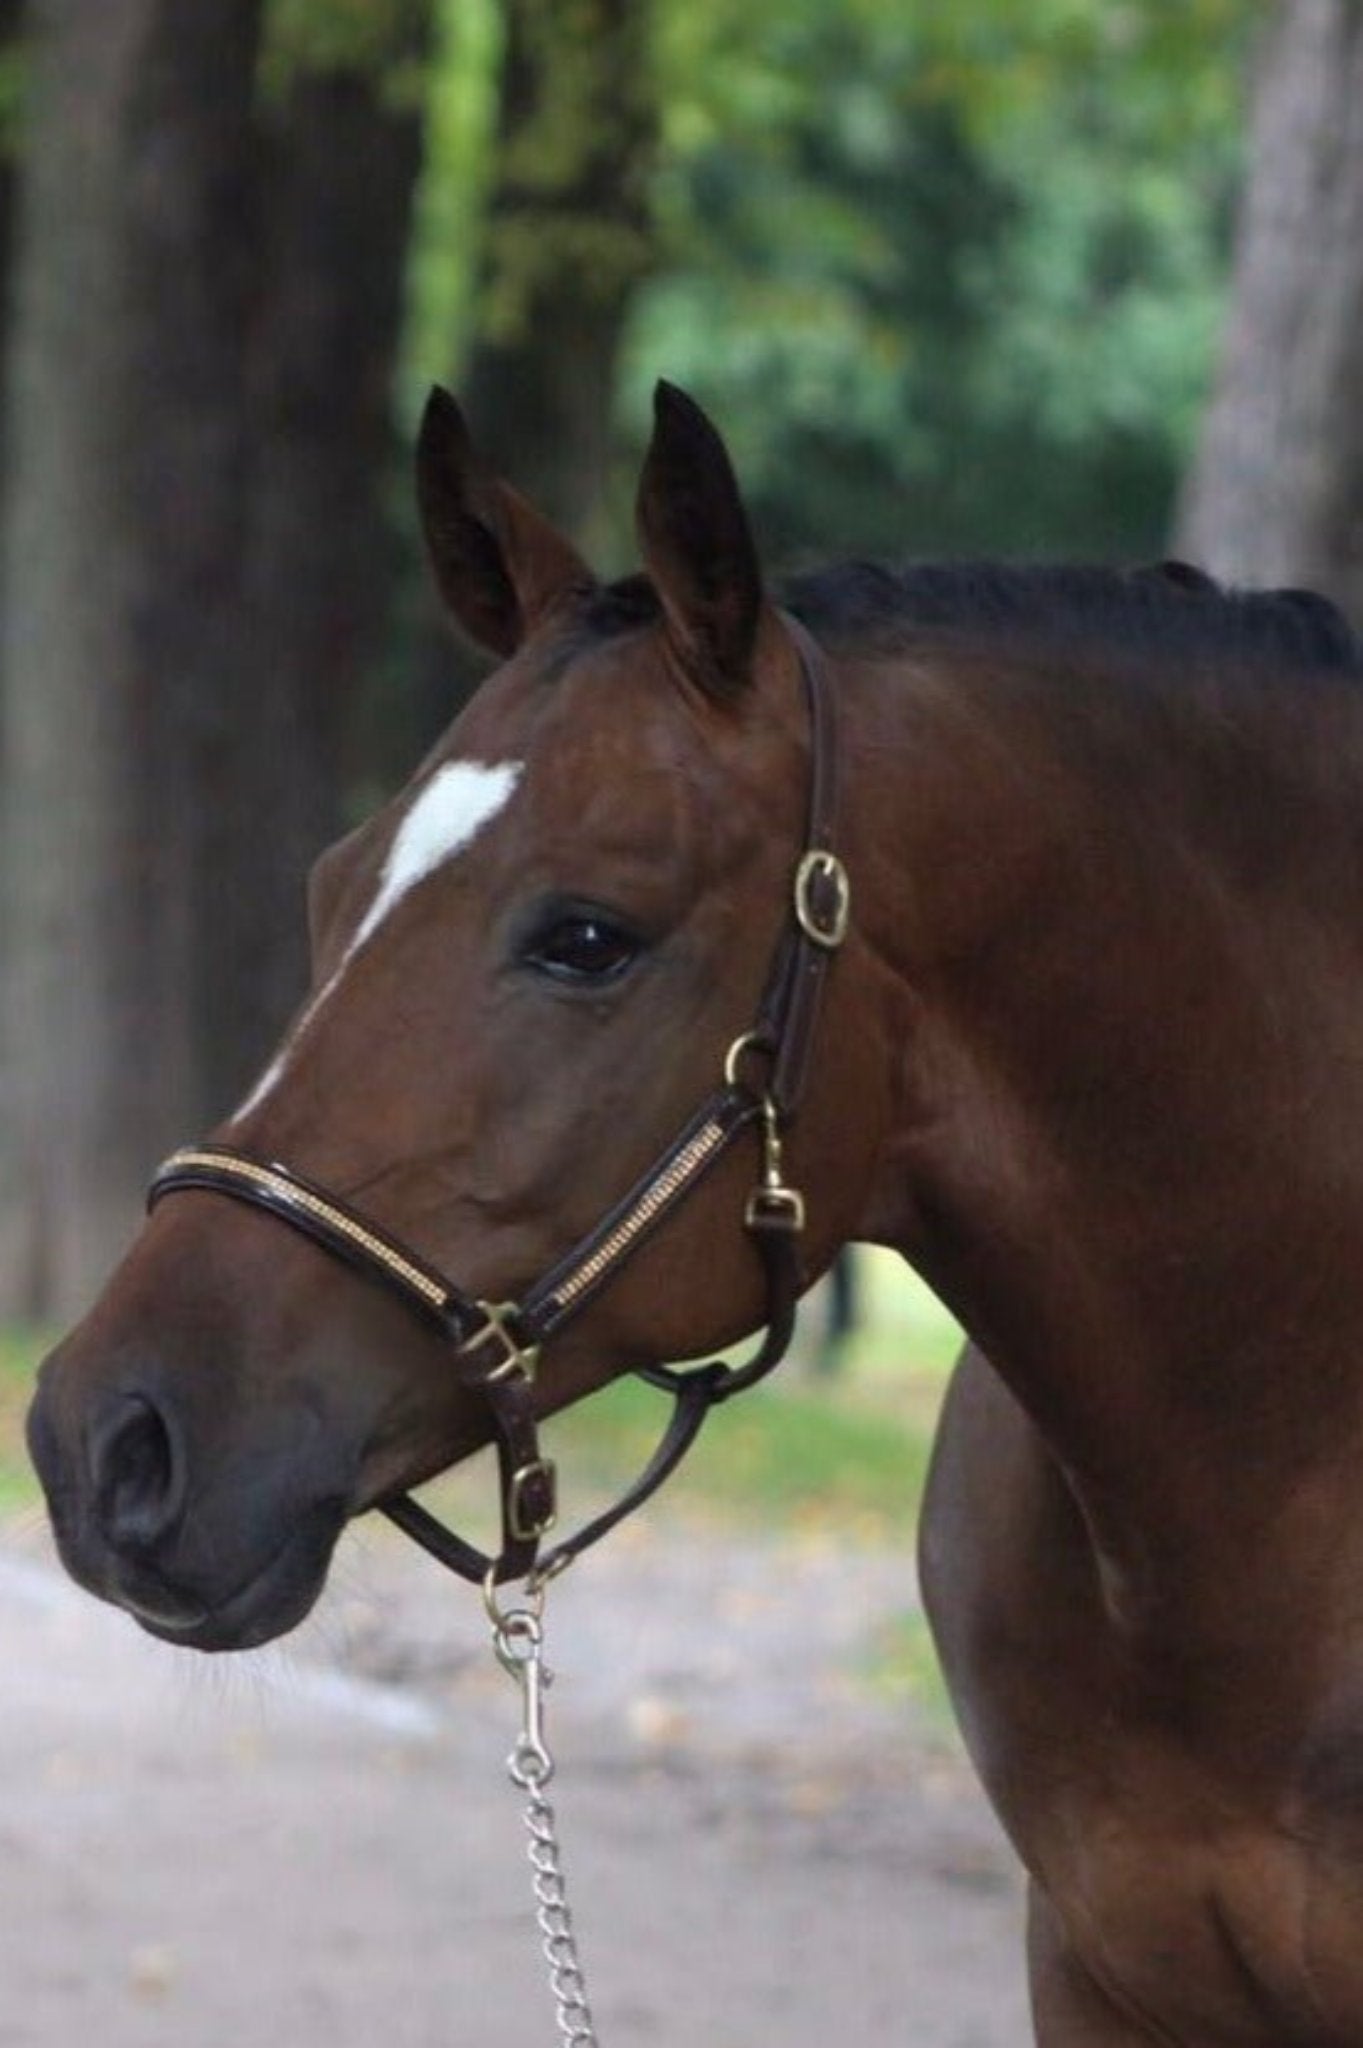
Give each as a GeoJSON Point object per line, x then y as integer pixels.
{"type": "Point", "coordinates": [1069, 278]}
{"type": "Point", "coordinates": [1081, 278]}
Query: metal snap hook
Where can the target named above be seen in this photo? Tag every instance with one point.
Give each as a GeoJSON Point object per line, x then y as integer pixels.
{"type": "Point", "coordinates": [518, 1641]}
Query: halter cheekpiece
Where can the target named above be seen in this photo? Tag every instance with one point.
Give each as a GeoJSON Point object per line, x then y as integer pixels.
{"type": "Point", "coordinates": [497, 1345]}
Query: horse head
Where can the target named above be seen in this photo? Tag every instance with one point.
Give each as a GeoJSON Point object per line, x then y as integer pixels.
{"type": "Point", "coordinates": [527, 971]}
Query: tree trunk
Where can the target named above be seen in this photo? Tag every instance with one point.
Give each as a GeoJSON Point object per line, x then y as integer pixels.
{"type": "Point", "coordinates": [204, 335]}
{"type": "Point", "coordinates": [1276, 492]}
{"type": "Point", "coordinates": [343, 168]}
{"type": "Point", "coordinates": [123, 526]}
{"type": "Point", "coordinates": [568, 242]}
{"type": "Point", "coordinates": [12, 28]}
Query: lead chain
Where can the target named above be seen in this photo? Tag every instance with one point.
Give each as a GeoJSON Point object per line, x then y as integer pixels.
{"type": "Point", "coordinates": [518, 1640]}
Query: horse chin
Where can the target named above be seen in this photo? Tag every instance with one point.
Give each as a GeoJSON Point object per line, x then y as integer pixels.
{"type": "Point", "coordinates": [274, 1599]}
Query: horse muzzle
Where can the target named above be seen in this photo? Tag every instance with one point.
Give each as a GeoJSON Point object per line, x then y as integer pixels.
{"type": "Point", "coordinates": [129, 1528]}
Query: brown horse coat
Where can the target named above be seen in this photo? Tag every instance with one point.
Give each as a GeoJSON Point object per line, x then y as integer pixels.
{"type": "Point", "coordinates": [1090, 1059]}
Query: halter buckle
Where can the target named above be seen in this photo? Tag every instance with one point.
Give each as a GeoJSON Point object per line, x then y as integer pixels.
{"type": "Point", "coordinates": [823, 898]}
{"type": "Point", "coordinates": [775, 1209]}
{"type": "Point", "coordinates": [517, 1358]}
{"type": "Point", "coordinates": [532, 1500]}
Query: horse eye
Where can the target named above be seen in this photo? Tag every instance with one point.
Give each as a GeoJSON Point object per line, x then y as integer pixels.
{"type": "Point", "coordinates": [586, 948]}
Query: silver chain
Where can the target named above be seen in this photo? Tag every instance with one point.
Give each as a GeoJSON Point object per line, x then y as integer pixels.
{"type": "Point", "coordinates": [518, 1640]}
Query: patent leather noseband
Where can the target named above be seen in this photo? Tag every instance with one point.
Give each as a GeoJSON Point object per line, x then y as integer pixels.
{"type": "Point", "coordinates": [496, 1346]}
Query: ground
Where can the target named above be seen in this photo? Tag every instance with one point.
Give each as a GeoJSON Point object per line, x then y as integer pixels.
{"type": "Point", "coordinates": [318, 1844]}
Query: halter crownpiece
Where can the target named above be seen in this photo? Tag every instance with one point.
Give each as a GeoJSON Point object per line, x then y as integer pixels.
{"type": "Point", "coordinates": [497, 1345]}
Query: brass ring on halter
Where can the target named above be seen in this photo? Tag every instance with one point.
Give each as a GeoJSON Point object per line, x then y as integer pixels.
{"type": "Point", "coordinates": [823, 898]}
{"type": "Point", "coordinates": [529, 1601]}
{"type": "Point", "coordinates": [748, 1041]}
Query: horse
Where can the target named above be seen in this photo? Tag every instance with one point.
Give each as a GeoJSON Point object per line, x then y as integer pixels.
{"type": "Point", "coordinates": [1010, 917]}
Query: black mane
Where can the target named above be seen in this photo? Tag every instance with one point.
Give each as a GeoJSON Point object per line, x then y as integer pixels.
{"type": "Point", "coordinates": [1169, 611]}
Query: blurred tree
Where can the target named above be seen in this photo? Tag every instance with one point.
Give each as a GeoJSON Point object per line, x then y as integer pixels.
{"type": "Point", "coordinates": [205, 319]}
{"type": "Point", "coordinates": [567, 242]}
{"type": "Point", "coordinates": [444, 256]}
{"type": "Point", "coordinates": [341, 140]}
{"type": "Point", "coordinates": [951, 276]}
{"type": "Point", "coordinates": [12, 67]}
{"type": "Point", "coordinates": [950, 273]}
{"type": "Point", "coordinates": [1276, 493]}
{"type": "Point", "coordinates": [529, 312]}
{"type": "Point", "coordinates": [125, 458]}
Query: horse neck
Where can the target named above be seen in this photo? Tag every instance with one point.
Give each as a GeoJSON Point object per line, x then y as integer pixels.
{"type": "Point", "coordinates": [1127, 1022]}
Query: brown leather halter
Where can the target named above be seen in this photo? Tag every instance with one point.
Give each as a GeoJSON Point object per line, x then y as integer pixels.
{"type": "Point", "coordinates": [497, 1345]}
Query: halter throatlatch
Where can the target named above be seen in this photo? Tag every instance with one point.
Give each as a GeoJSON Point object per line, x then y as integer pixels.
{"type": "Point", "coordinates": [496, 1346]}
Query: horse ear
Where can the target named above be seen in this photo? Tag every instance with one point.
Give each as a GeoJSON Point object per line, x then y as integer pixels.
{"type": "Point", "coordinates": [697, 545]}
{"type": "Point", "coordinates": [500, 566]}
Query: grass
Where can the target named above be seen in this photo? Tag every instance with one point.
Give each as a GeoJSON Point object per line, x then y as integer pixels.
{"type": "Point", "coordinates": [807, 1453]}
{"type": "Point", "coordinates": [903, 1665]}
{"type": "Point", "coordinates": [20, 1351]}
{"type": "Point", "coordinates": [835, 1456]}
{"type": "Point", "coordinates": [842, 1452]}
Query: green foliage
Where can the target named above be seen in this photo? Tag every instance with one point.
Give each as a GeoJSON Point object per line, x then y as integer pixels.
{"type": "Point", "coordinates": [14, 68]}
{"type": "Point", "coordinates": [1006, 66]}
{"type": "Point", "coordinates": [904, 1665]}
{"type": "Point", "coordinates": [532, 246]}
{"type": "Point", "coordinates": [576, 98]}
{"type": "Point", "coordinates": [802, 1458]}
{"type": "Point", "coordinates": [568, 60]}
{"type": "Point", "coordinates": [905, 1343]}
{"type": "Point", "coordinates": [20, 1350]}
{"type": "Point", "coordinates": [949, 276]}
{"type": "Point", "coordinates": [376, 38]}
{"type": "Point", "coordinates": [447, 237]}
{"type": "Point", "coordinates": [546, 87]}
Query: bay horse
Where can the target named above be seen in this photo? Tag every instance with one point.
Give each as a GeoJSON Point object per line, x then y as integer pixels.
{"type": "Point", "coordinates": [1065, 1003]}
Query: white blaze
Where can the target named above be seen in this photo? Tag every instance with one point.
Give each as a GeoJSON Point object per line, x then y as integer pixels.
{"type": "Point", "coordinates": [450, 811]}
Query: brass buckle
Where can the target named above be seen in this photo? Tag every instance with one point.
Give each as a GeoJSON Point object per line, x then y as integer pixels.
{"type": "Point", "coordinates": [527, 1527]}
{"type": "Point", "coordinates": [773, 1204]}
{"type": "Point", "coordinates": [521, 1358]}
{"type": "Point", "coordinates": [827, 928]}
{"type": "Point", "coordinates": [775, 1209]}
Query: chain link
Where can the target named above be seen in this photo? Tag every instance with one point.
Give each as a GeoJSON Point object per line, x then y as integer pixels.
{"type": "Point", "coordinates": [566, 1981]}
{"type": "Point", "coordinates": [517, 1639]}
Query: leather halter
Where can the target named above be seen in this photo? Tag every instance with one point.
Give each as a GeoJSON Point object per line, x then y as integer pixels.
{"type": "Point", "coordinates": [497, 1345]}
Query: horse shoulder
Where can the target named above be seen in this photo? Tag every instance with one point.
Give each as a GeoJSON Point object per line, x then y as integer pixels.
{"type": "Point", "coordinates": [1186, 1897]}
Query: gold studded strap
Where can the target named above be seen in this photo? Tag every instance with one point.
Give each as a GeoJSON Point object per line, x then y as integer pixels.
{"type": "Point", "coordinates": [319, 1214]}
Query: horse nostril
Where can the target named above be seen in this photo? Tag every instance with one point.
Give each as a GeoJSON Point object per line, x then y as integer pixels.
{"type": "Point", "coordinates": [138, 1476]}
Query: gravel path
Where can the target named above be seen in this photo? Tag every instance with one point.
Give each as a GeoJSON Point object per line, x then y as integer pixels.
{"type": "Point", "coordinates": [317, 1845]}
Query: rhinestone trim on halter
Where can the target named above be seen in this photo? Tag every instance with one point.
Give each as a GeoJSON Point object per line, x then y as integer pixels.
{"type": "Point", "coordinates": [287, 1190]}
